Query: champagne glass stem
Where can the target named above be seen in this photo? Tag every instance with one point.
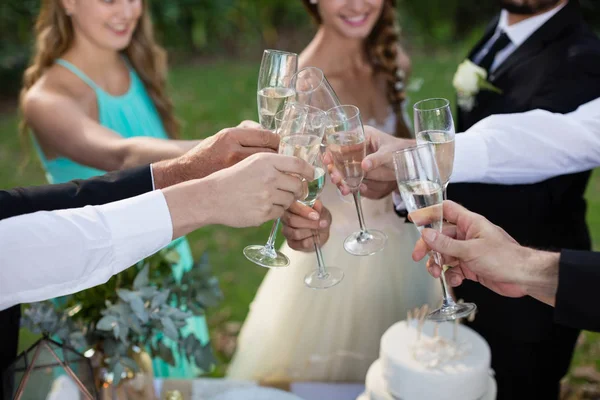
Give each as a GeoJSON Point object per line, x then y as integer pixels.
{"type": "Point", "coordinates": [320, 261]}
{"type": "Point", "coordinates": [270, 246]}
{"type": "Point", "coordinates": [448, 300]}
{"type": "Point", "coordinates": [361, 219]}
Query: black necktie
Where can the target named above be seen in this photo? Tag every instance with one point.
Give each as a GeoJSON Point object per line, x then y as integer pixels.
{"type": "Point", "coordinates": [499, 45]}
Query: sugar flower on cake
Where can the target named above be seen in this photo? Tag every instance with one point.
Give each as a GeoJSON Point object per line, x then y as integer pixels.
{"type": "Point", "coordinates": [468, 80]}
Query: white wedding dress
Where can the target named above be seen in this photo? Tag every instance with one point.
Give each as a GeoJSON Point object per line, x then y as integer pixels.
{"type": "Point", "coordinates": [293, 333]}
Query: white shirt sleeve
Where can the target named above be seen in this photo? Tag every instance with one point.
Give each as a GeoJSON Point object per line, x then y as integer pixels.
{"type": "Point", "coordinates": [528, 147]}
{"type": "Point", "coordinates": [50, 254]}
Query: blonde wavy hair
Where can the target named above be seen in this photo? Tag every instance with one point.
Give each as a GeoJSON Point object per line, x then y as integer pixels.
{"type": "Point", "coordinates": [54, 36]}
{"type": "Point", "coordinates": [381, 47]}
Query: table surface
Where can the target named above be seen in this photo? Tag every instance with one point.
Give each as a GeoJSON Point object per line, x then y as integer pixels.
{"type": "Point", "coordinates": [205, 388]}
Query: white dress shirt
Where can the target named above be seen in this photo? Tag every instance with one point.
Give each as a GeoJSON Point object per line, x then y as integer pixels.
{"type": "Point", "coordinates": [528, 147]}
{"type": "Point", "coordinates": [517, 33]}
{"type": "Point", "coordinates": [50, 254]}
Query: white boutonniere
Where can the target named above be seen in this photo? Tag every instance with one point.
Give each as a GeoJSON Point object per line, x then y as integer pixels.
{"type": "Point", "coordinates": [468, 80]}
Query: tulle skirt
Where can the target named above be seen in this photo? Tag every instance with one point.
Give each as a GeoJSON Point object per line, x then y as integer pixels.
{"type": "Point", "coordinates": [293, 333]}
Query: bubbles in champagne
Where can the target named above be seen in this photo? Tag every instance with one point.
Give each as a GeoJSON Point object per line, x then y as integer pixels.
{"type": "Point", "coordinates": [348, 151]}
{"type": "Point", "coordinates": [443, 148]}
{"type": "Point", "coordinates": [424, 198]}
{"type": "Point", "coordinates": [271, 100]}
{"type": "Point", "coordinates": [306, 147]}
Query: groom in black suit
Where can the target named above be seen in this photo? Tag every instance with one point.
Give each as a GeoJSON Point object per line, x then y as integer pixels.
{"type": "Point", "coordinates": [540, 54]}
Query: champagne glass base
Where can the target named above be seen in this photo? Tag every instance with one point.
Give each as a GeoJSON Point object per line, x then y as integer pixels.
{"type": "Point", "coordinates": [453, 312]}
{"type": "Point", "coordinates": [332, 277]}
{"type": "Point", "coordinates": [365, 244]}
{"type": "Point", "coordinates": [264, 257]}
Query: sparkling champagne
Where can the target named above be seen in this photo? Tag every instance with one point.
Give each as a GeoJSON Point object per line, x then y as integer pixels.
{"type": "Point", "coordinates": [315, 187]}
{"type": "Point", "coordinates": [443, 146]}
{"type": "Point", "coordinates": [271, 100]}
{"type": "Point", "coordinates": [348, 151]}
{"type": "Point", "coordinates": [424, 197]}
{"type": "Point", "coordinates": [306, 147]}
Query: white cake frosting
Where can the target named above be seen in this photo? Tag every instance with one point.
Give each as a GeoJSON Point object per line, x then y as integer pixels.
{"type": "Point", "coordinates": [432, 367]}
{"type": "Point", "coordinates": [376, 387]}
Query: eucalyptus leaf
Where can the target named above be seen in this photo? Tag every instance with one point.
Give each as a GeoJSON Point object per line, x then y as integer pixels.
{"type": "Point", "coordinates": [129, 363]}
{"type": "Point", "coordinates": [169, 328]}
{"type": "Point", "coordinates": [204, 358]}
{"type": "Point", "coordinates": [135, 325]}
{"type": "Point", "coordinates": [148, 292]}
{"type": "Point", "coordinates": [166, 354]}
{"type": "Point", "coordinates": [116, 330]}
{"type": "Point", "coordinates": [125, 295]}
{"type": "Point", "coordinates": [177, 314]}
{"type": "Point", "coordinates": [141, 279]}
{"type": "Point", "coordinates": [160, 299]}
{"type": "Point", "coordinates": [106, 323]}
{"type": "Point", "coordinates": [117, 371]}
{"type": "Point", "coordinates": [77, 340]}
{"type": "Point", "coordinates": [137, 305]}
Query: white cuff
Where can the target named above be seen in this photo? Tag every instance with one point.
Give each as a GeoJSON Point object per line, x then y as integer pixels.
{"type": "Point", "coordinates": [470, 158]}
{"type": "Point", "coordinates": [140, 226]}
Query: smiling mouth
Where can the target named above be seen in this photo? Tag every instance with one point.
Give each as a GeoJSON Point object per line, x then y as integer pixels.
{"type": "Point", "coordinates": [119, 29]}
{"type": "Point", "coordinates": [357, 20]}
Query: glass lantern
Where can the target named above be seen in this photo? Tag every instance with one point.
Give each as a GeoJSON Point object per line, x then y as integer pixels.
{"type": "Point", "coordinates": [50, 370]}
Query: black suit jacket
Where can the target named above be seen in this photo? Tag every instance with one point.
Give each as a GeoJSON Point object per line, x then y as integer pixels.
{"type": "Point", "coordinates": [578, 281]}
{"type": "Point", "coordinates": [556, 69]}
{"type": "Point", "coordinates": [104, 189]}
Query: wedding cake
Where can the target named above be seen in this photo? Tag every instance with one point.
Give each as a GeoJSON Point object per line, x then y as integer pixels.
{"type": "Point", "coordinates": [422, 360]}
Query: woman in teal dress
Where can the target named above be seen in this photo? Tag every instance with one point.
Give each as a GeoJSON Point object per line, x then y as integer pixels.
{"type": "Point", "coordinates": [95, 99]}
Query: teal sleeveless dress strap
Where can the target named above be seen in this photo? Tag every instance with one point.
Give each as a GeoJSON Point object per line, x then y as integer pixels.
{"type": "Point", "coordinates": [132, 114]}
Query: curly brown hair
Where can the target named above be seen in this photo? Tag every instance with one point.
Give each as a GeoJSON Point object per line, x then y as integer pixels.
{"type": "Point", "coordinates": [54, 36]}
{"type": "Point", "coordinates": [382, 46]}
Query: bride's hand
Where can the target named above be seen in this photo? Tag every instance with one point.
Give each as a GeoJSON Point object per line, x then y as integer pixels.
{"type": "Point", "coordinates": [299, 221]}
{"type": "Point", "coordinates": [380, 178]}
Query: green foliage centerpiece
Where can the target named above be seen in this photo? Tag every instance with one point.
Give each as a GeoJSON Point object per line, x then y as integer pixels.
{"type": "Point", "coordinates": [124, 316]}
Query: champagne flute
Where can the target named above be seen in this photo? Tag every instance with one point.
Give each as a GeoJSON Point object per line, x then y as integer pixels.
{"type": "Point", "coordinates": [434, 124]}
{"type": "Point", "coordinates": [421, 188]}
{"type": "Point", "coordinates": [323, 277]}
{"type": "Point", "coordinates": [274, 79]}
{"type": "Point", "coordinates": [313, 89]}
{"type": "Point", "coordinates": [347, 144]}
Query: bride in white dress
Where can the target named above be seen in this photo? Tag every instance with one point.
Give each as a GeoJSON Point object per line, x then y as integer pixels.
{"type": "Point", "coordinates": [293, 333]}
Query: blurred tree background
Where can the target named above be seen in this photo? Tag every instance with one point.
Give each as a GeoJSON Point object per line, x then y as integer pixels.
{"type": "Point", "coordinates": [215, 48]}
{"type": "Point", "coordinates": [236, 28]}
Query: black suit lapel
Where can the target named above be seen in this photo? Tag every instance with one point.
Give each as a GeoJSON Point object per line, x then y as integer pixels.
{"type": "Point", "coordinates": [566, 19]}
{"type": "Point", "coordinates": [489, 32]}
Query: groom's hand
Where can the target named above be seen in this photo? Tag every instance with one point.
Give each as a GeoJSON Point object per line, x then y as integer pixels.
{"type": "Point", "coordinates": [477, 249]}
{"type": "Point", "coordinates": [299, 222]}
{"type": "Point", "coordinates": [380, 178]}
{"type": "Point", "coordinates": [222, 150]}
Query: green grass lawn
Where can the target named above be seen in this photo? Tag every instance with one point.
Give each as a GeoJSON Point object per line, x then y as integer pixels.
{"type": "Point", "coordinates": [211, 97]}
